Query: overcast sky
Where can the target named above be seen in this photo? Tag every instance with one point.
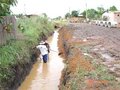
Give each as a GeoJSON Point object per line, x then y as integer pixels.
{"type": "Point", "coordinates": [54, 8]}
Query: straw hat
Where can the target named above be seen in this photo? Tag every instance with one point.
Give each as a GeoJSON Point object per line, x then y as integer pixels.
{"type": "Point", "coordinates": [42, 42]}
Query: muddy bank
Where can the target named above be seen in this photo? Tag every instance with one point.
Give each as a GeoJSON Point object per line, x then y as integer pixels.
{"type": "Point", "coordinates": [84, 68]}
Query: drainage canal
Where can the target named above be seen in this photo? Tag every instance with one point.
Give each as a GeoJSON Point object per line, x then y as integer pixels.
{"type": "Point", "coordinates": [45, 76]}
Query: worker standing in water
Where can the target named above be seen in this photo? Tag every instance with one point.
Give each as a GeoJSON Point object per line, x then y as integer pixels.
{"type": "Point", "coordinates": [44, 49]}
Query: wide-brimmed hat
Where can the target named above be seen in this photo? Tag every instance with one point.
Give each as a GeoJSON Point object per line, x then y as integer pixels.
{"type": "Point", "coordinates": [42, 42]}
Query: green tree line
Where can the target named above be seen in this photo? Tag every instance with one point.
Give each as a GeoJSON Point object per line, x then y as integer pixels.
{"type": "Point", "coordinates": [91, 13]}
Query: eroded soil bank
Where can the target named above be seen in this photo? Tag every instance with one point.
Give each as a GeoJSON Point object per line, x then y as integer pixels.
{"type": "Point", "coordinates": [92, 57]}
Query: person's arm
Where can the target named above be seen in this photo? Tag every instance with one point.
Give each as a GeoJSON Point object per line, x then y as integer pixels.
{"type": "Point", "coordinates": [48, 47]}
{"type": "Point", "coordinates": [37, 47]}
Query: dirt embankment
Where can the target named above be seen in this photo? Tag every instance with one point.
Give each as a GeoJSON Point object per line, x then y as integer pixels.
{"type": "Point", "coordinates": [92, 57]}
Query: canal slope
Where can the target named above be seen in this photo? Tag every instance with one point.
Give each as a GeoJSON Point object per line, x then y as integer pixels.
{"type": "Point", "coordinates": [91, 57]}
{"type": "Point", "coordinates": [45, 76]}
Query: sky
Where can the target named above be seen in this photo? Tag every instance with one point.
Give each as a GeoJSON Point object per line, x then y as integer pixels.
{"type": "Point", "coordinates": [54, 8]}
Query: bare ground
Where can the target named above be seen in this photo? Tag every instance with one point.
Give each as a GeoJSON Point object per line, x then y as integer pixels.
{"type": "Point", "coordinates": [84, 44]}
{"type": "Point", "coordinates": [107, 46]}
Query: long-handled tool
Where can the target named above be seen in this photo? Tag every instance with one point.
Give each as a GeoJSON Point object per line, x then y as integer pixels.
{"type": "Point", "coordinates": [59, 53]}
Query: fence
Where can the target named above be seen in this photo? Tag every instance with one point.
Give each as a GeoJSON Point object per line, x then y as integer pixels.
{"type": "Point", "coordinates": [7, 29]}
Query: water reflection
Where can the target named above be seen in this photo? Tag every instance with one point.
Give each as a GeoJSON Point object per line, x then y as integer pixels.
{"type": "Point", "coordinates": [27, 82]}
{"type": "Point", "coordinates": [44, 70]}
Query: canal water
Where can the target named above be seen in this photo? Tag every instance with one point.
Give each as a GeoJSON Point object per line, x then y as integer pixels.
{"type": "Point", "coordinates": [45, 76]}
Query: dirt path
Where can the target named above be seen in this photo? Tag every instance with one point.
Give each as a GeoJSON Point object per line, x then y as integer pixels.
{"type": "Point", "coordinates": [108, 45]}
{"type": "Point", "coordinates": [111, 36]}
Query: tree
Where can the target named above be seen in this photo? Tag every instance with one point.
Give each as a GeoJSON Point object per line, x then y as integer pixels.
{"type": "Point", "coordinates": [91, 13]}
{"type": "Point", "coordinates": [74, 13]}
{"type": "Point", "coordinates": [100, 11]}
{"type": "Point", "coordinates": [5, 6]}
{"type": "Point", "coordinates": [113, 8]}
{"type": "Point", "coordinates": [67, 15]}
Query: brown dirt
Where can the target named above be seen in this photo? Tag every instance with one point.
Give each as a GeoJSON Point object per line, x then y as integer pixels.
{"type": "Point", "coordinates": [77, 41]}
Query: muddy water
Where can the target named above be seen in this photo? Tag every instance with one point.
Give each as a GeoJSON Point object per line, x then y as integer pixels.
{"type": "Point", "coordinates": [45, 76]}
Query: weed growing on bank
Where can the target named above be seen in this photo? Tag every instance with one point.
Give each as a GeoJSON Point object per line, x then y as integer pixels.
{"type": "Point", "coordinates": [17, 52]}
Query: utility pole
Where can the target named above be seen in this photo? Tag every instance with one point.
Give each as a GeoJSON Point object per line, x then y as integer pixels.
{"type": "Point", "coordinates": [86, 12]}
{"type": "Point", "coordinates": [69, 12]}
{"type": "Point", "coordinates": [25, 9]}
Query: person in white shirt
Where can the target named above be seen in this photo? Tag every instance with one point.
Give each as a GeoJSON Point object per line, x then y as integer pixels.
{"type": "Point", "coordinates": [44, 51]}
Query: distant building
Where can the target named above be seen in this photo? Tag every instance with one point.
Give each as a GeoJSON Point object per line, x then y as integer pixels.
{"type": "Point", "coordinates": [78, 19]}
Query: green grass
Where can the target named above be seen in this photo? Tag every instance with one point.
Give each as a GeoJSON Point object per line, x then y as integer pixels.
{"type": "Point", "coordinates": [15, 51]}
{"type": "Point", "coordinates": [34, 26]}
{"type": "Point", "coordinates": [12, 51]}
{"type": "Point", "coordinates": [77, 81]}
{"type": "Point", "coordinates": [10, 55]}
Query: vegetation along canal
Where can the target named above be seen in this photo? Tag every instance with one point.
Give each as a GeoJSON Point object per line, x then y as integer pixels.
{"type": "Point", "coordinates": [45, 76]}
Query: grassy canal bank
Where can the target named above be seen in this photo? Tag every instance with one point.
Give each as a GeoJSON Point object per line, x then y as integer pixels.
{"type": "Point", "coordinates": [16, 55]}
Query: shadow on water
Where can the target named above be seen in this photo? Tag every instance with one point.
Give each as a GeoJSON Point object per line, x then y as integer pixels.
{"type": "Point", "coordinates": [45, 76]}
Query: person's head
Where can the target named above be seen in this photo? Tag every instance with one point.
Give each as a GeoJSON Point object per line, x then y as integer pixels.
{"type": "Point", "coordinates": [46, 41]}
{"type": "Point", "coordinates": [42, 42]}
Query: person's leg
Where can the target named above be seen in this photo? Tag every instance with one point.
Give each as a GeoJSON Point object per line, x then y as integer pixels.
{"type": "Point", "coordinates": [45, 58]}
